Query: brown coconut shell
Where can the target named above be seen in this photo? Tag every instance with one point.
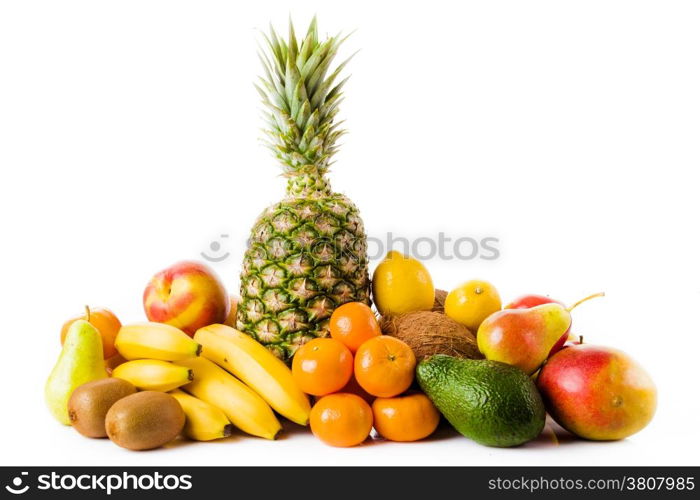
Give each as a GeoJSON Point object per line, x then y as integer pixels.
{"type": "Point", "coordinates": [439, 304]}
{"type": "Point", "coordinates": [430, 332]}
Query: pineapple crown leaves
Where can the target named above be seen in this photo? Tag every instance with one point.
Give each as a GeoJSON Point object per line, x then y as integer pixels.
{"type": "Point", "coordinates": [301, 99]}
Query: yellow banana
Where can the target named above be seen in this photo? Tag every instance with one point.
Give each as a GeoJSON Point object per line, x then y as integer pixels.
{"type": "Point", "coordinates": [153, 374]}
{"type": "Point", "coordinates": [243, 407]}
{"type": "Point", "coordinates": [205, 422]}
{"type": "Point", "coordinates": [255, 365]}
{"type": "Point", "coordinates": [155, 341]}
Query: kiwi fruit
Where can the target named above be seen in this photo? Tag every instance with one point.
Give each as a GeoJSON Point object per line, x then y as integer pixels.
{"type": "Point", "coordinates": [89, 404]}
{"type": "Point", "coordinates": [145, 420]}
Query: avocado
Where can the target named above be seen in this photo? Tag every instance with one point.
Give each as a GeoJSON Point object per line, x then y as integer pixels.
{"type": "Point", "coordinates": [492, 403]}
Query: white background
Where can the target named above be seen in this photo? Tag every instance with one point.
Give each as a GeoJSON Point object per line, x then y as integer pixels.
{"type": "Point", "coordinates": [569, 130]}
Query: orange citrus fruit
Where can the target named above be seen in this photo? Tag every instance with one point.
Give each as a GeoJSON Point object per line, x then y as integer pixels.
{"type": "Point", "coordinates": [353, 387]}
{"type": "Point", "coordinates": [405, 418]}
{"type": "Point", "coordinates": [353, 324]}
{"type": "Point", "coordinates": [384, 366]}
{"type": "Point", "coordinates": [341, 419]}
{"type": "Point", "coordinates": [322, 366]}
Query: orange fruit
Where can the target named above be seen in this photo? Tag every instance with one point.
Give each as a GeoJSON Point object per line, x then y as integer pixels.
{"type": "Point", "coordinates": [341, 419]}
{"type": "Point", "coordinates": [113, 362]}
{"type": "Point", "coordinates": [106, 323]}
{"type": "Point", "coordinates": [353, 387]}
{"type": "Point", "coordinates": [405, 418]}
{"type": "Point", "coordinates": [384, 366]}
{"type": "Point", "coordinates": [353, 324]}
{"type": "Point", "coordinates": [322, 366]}
{"type": "Point", "coordinates": [232, 312]}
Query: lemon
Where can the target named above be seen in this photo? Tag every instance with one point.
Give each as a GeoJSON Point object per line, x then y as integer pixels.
{"type": "Point", "coordinates": [472, 302]}
{"type": "Point", "coordinates": [402, 284]}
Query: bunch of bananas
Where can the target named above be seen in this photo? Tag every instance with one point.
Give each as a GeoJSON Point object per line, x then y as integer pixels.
{"type": "Point", "coordinates": [221, 378]}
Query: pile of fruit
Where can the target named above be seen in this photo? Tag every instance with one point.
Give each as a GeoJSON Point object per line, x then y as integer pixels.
{"type": "Point", "coordinates": [303, 328]}
{"type": "Point", "coordinates": [143, 384]}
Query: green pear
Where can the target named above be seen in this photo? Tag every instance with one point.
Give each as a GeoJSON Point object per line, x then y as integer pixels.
{"type": "Point", "coordinates": [81, 361]}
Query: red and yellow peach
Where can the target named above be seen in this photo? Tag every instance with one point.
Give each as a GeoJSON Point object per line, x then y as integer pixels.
{"type": "Point", "coordinates": [187, 295]}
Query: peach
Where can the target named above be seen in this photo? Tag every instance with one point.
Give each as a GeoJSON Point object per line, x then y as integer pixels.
{"type": "Point", "coordinates": [188, 295]}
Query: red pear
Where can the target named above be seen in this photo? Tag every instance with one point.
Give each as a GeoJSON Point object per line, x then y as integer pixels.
{"type": "Point", "coordinates": [523, 337]}
{"type": "Point", "coordinates": [534, 300]}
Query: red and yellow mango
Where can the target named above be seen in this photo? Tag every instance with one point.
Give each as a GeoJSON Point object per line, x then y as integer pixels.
{"type": "Point", "coordinates": [597, 393]}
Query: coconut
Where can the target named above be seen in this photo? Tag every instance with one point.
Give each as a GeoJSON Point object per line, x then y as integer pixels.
{"type": "Point", "coordinates": [439, 304]}
{"type": "Point", "coordinates": [430, 332]}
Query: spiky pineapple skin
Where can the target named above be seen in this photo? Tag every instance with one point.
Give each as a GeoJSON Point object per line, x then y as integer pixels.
{"type": "Point", "coordinates": [306, 256]}
{"type": "Point", "coordinates": [308, 253]}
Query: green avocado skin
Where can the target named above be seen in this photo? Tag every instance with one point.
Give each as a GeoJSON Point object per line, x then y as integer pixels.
{"type": "Point", "coordinates": [492, 403]}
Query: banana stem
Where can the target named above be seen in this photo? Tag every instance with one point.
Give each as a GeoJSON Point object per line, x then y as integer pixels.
{"type": "Point", "coordinates": [586, 299]}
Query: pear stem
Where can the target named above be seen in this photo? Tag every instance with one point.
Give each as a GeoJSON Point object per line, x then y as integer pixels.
{"type": "Point", "coordinates": [87, 313]}
{"type": "Point", "coordinates": [595, 295]}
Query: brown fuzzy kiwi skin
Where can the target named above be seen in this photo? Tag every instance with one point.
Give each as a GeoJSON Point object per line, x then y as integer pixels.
{"type": "Point", "coordinates": [430, 332]}
{"type": "Point", "coordinates": [439, 303]}
{"type": "Point", "coordinates": [90, 402]}
{"type": "Point", "coordinates": [145, 420]}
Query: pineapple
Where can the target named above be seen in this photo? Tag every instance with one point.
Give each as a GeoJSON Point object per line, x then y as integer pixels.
{"type": "Point", "coordinates": [307, 254]}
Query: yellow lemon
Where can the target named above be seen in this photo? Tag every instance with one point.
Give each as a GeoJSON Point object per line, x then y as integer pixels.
{"type": "Point", "coordinates": [472, 302]}
{"type": "Point", "coordinates": [401, 285]}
